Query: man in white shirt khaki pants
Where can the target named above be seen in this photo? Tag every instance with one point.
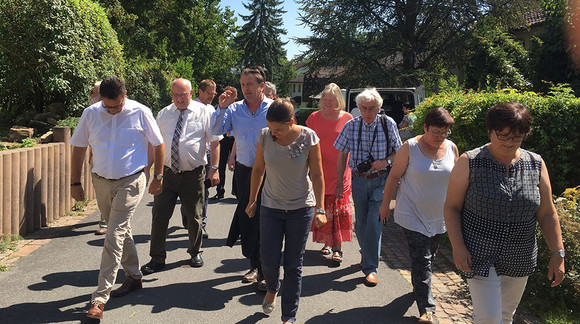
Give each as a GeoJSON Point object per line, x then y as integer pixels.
{"type": "Point", "coordinates": [119, 131]}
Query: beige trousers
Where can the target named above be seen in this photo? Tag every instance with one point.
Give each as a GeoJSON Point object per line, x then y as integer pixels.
{"type": "Point", "coordinates": [117, 200]}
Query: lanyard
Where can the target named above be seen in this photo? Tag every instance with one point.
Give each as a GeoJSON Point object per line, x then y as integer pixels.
{"type": "Point", "coordinates": [359, 138]}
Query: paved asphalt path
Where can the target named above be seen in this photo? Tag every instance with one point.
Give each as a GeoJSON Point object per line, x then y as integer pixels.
{"type": "Point", "coordinates": [54, 283]}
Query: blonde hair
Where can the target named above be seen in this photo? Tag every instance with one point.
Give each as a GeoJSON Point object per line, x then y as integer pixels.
{"type": "Point", "coordinates": [334, 90]}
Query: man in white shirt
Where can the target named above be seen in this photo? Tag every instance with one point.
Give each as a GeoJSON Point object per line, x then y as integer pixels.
{"type": "Point", "coordinates": [185, 128]}
{"type": "Point", "coordinates": [119, 131]}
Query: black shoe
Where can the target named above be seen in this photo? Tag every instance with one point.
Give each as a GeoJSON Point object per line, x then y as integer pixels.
{"type": "Point", "coordinates": [217, 197]}
{"type": "Point", "coordinates": [197, 261]}
{"type": "Point", "coordinates": [204, 233]}
{"type": "Point", "coordinates": [151, 267]}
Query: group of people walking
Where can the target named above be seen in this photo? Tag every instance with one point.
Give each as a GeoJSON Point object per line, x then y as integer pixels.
{"type": "Point", "coordinates": [292, 179]}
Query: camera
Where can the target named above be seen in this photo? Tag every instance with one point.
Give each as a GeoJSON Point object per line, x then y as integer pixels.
{"type": "Point", "coordinates": [365, 165]}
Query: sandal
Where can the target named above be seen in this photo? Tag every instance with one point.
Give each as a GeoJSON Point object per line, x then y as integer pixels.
{"type": "Point", "coordinates": [337, 256]}
{"type": "Point", "coordinates": [427, 318]}
{"type": "Point", "coordinates": [326, 250]}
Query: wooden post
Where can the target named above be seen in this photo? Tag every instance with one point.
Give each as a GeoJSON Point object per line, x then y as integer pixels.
{"type": "Point", "coordinates": [37, 188]}
{"type": "Point", "coordinates": [50, 203]}
{"type": "Point", "coordinates": [22, 212]}
{"type": "Point", "coordinates": [1, 194]}
{"type": "Point", "coordinates": [15, 197]}
{"type": "Point", "coordinates": [7, 194]}
{"type": "Point", "coordinates": [44, 210]}
{"type": "Point", "coordinates": [62, 134]}
{"type": "Point", "coordinates": [30, 184]}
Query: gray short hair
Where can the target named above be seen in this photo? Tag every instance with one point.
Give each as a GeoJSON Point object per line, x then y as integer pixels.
{"type": "Point", "coordinates": [369, 94]}
{"type": "Point", "coordinates": [270, 85]}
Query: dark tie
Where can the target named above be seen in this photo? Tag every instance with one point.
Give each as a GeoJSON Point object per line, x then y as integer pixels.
{"type": "Point", "coordinates": [175, 143]}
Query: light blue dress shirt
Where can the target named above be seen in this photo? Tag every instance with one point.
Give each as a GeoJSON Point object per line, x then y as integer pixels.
{"type": "Point", "coordinates": [238, 120]}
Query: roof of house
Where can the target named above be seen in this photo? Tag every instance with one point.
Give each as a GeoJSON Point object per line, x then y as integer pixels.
{"type": "Point", "coordinates": [534, 17]}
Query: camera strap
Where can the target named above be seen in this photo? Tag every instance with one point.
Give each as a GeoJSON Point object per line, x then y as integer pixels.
{"type": "Point", "coordinates": [359, 140]}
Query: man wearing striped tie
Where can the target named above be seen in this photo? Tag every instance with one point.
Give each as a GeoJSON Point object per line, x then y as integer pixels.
{"type": "Point", "coordinates": [185, 126]}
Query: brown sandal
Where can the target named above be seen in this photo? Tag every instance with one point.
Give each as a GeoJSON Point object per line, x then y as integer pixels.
{"type": "Point", "coordinates": [326, 250]}
{"type": "Point", "coordinates": [337, 256]}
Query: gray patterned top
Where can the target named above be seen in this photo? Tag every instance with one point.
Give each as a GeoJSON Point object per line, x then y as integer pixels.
{"type": "Point", "coordinates": [498, 219]}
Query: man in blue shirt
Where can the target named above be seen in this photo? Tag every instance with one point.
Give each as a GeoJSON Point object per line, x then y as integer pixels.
{"type": "Point", "coordinates": [243, 120]}
{"type": "Point", "coordinates": [372, 141]}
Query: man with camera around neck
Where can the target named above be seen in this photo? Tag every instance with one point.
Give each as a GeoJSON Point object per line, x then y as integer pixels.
{"type": "Point", "coordinates": [372, 141]}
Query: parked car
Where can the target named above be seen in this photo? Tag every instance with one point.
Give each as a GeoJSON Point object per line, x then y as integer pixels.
{"type": "Point", "coordinates": [393, 99]}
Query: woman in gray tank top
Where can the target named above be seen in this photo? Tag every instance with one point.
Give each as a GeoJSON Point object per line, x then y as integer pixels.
{"type": "Point", "coordinates": [293, 194]}
{"type": "Point", "coordinates": [422, 165]}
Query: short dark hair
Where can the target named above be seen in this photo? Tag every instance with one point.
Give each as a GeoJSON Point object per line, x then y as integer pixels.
{"type": "Point", "coordinates": [256, 71]}
{"type": "Point", "coordinates": [204, 84]}
{"type": "Point", "coordinates": [280, 111]}
{"type": "Point", "coordinates": [112, 88]}
{"type": "Point", "coordinates": [512, 115]}
{"type": "Point", "coordinates": [438, 117]}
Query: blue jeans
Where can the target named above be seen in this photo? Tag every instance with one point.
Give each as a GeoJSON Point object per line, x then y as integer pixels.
{"type": "Point", "coordinates": [422, 250]}
{"type": "Point", "coordinates": [294, 227]}
{"type": "Point", "coordinates": [367, 195]}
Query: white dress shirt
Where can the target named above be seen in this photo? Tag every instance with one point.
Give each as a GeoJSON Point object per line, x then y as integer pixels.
{"type": "Point", "coordinates": [119, 142]}
{"type": "Point", "coordinates": [195, 134]}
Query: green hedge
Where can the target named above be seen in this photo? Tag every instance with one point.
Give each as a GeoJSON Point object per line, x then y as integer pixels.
{"type": "Point", "coordinates": [555, 137]}
{"type": "Point", "coordinates": [555, 133]}
{"type": "Point", "coordinates": [562, 302]}
{"type": "Point", "coordinates": [302, 115]}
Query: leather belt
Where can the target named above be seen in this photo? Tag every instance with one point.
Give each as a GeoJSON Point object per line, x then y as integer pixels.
{"type": "Point", "coordinates": [121, 178]}
{"type": "Point", "coordinates": [238, 164]}
{"type": "Point", "coordinates": [369, 176]}
{"type": "Point", "coordinates": [166, 168]}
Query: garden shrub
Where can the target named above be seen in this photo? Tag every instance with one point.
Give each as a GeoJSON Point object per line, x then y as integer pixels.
{"type": "Point", "coordinates": [302, 114]}
{"type": "Point", "coordinates": [539, 296]}
{"type": "Point", "coordinates": [149, 82]}
{"type": "Point", "coordinates": [52, 51]}
{"type": "Point", "coordinates": [555, 137]}
{"type": "Point", "coordinates": [554, 131]}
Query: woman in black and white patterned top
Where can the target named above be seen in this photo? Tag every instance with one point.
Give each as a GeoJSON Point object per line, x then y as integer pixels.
{"type": "Point", "coordinates": [496, 194]}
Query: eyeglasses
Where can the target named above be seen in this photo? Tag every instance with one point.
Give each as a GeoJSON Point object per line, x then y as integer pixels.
{"type": "Point", "coordinates": [506, 138]}
{"type": "Point", "coordinates": [184, 94]}
{"type": "Point", "coordinates": [119, 106]}
{"type": "Point", "coordinates": [368, 108]}
{"type": "Point", "coordinates": [211, 93]}
{"type": "Point", "coordinates": [438, 133]}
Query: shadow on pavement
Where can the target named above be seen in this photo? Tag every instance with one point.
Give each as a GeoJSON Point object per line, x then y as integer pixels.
{"type": "Point", "coordinates": [396, 313]}
{"type": "Point", "coordinates": [52, 281]}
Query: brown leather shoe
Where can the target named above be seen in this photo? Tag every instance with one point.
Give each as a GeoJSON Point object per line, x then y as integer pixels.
{"type": "Point", "coordinates": [96, 310]}
{"type": "Point", "coordinates": [371, 279]}
{"type": "Point", "coordinates": [101, 231]}
{"type": "Point", "coordinates": [128, 285]}
{"type": "Point", "coordinates": [251, 276]}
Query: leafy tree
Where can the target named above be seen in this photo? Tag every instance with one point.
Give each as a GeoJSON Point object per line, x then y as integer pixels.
{"type": "Point", "coordinates": [259, 37]}
{"type": "Point", "coordinates": [196, 33]}
{"type": "Point", "coordinates": [396, 43]}
{"type": "Point", "coordinates": [52, 51]}
{"type": "Point", "coordinates": [551, 53]}
{"type": "Point", "coordinates": [495, 60]}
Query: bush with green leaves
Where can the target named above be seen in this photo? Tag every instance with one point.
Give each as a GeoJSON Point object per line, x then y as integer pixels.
{"type": "Point", "coordinates": [563, 301]}
{"type": "Point", "coordinates": [149, 82]}
{"type": "Point", "coordinates": [555, 138]}
{"type": "Point", "coordinates": [52, 51]}
{"type": "Point", "coordinates": [555, 128]}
